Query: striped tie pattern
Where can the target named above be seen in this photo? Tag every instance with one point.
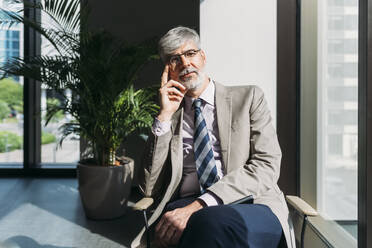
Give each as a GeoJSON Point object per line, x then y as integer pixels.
{"type": "Point", "coordinates": [204, 159]}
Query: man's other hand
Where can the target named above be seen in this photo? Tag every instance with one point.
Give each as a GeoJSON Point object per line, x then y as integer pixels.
{"type": "Point", "coordinates": [170, 227]}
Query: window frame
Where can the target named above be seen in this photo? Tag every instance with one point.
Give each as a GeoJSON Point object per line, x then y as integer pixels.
{"type": "Point", "coordinates": [288, 95]}
{"type": "Point", "coordinates": [32, 165]}
{"type": "Point", "coordinates": [365, 125]}
{"type": "Point", "coordinates": [288, 92]}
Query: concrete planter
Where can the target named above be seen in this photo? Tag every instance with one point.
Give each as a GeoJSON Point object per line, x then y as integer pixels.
{"type": "Point", "coordinates": [104, 191]}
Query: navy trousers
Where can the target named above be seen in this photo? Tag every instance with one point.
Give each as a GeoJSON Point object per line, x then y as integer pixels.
{"type": "Point", "coordinates": [230, 226]}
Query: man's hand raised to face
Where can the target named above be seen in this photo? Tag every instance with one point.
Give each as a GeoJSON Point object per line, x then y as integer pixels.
{"type": "Point", "coordinates": [171, 95]}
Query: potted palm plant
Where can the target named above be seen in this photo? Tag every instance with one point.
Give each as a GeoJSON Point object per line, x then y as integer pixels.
{"type": "Point", "coordinates": [98, 72]}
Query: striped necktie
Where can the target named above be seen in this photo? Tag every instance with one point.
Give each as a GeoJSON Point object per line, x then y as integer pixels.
{"type": "Point", "coordinates": [204, 159]}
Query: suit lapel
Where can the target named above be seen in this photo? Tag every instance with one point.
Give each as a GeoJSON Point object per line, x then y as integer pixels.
{"type": "Point", "coordinates": [176, 121]}
{"type": "Point", "coordinates": [176, 145]}
{"type": "Point", "coordinates": [223, 110]}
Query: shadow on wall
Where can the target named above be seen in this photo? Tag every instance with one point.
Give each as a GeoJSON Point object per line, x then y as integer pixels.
{"type": "Point", "coordinates": [134, 148]}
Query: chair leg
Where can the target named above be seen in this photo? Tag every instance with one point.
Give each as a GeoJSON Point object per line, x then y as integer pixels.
{"type": "Point", "coordinates": [303, 231]}
{"type": "Point", "coordinates": [146, 229]}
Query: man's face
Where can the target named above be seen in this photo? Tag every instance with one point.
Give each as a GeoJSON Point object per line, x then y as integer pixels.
{"type": "Point", "coordinates": [187, 65]}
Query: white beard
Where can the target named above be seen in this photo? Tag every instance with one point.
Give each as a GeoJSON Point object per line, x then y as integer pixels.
{"type": "Point", "coordinates": [193, 84]}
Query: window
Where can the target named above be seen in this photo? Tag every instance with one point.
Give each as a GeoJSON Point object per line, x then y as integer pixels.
{"type": "Point", "coordinates": [52, 154]}
{"type": "Point", "coordinates": [11, 98]}
{"type": "Point", "coordinates": [329, 111]}
{"type": "Point", "coordinates": [25, 142]}
{"type": "Point", "coordinates": [337, 46]}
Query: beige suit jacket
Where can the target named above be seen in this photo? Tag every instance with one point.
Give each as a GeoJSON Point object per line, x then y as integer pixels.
{"type": "Point", "coordinates": [250, 152]}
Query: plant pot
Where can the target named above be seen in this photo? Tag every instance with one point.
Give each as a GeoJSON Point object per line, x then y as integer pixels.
{"type": "Point", "coordinates": [104, 190]}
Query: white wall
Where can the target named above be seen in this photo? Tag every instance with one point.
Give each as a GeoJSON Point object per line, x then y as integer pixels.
{"type": "Point", "coordinates": [239, 38]}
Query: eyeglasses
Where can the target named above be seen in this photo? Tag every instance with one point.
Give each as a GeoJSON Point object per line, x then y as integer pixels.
{"type": "Point", "coordinates": [175, 60]}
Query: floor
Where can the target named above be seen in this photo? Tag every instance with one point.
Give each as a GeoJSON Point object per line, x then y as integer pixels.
{"type": "Point", "coordinates": [47, 213]}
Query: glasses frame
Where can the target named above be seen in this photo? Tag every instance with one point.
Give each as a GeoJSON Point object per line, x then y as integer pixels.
{"type": "Point", "coordinates": [177, 57]}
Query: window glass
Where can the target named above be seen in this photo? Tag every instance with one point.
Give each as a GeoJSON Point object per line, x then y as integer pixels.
{"type": "Point", "coordinates": [2, 35]}
{"type": "Point", "coordinates": [337, 106]}
{"type": "Point", "coordinates": [15, 45]}
{"type": "Point", "coordinates": [11, 97]}
{"type": "Point", "coordinates": [339, 47]}
{"type": "Point", "coordinates": [52, 153]}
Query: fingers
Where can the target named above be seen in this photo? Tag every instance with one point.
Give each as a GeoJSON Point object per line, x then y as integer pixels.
{"type": "Point", "coordinates": [176, 237]}
{"type": "Point", "coordinates": [169, 235]}
{"type": "Point", "coordinates": [175, 98]}
{"type": "Point", "coordinates": [164, 229]}
{"type": "Point", "coordinates": [169, 229]}
{"type": "Point", "coordinates": [160, 224]}
{"type": "Point", "coordinates": [160, 243]}
{"type": "Point", "coordinates": [174, 92]}
{"type": "Point", "coordinates": [179, 86]}
{"type": "Point", "coordinates": [165, 75]}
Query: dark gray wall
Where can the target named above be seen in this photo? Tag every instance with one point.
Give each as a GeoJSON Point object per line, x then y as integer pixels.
{"type": "Point", "coordinates": [138, 20]}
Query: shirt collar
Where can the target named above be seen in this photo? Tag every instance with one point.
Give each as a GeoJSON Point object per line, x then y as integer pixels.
{"type": "Point", "coordinates": [207, 95]}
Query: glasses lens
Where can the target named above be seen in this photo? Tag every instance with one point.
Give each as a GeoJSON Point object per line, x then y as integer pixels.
{"type": "Point", "coordinates": [174, 60]}
{"type": "Point", "coordinates": [190, 54]}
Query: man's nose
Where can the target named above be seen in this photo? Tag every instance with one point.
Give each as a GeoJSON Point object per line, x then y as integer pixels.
{"type": "Point", "coordinates": [184, 61]}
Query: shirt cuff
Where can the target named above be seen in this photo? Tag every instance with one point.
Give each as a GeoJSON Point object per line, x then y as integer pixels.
{"type": "Point", "coordinates": [209, 199]}
{"type": "Point", "coordinates": [159, 128]}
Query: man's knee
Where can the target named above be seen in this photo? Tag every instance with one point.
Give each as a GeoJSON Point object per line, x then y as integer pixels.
{"type": "Point", "coordinates": [213, 227]}
{"type": "Point", "coordinates": [216, 221]}
{"type": "Point", "coordinates": [205, 220]}
{"type": "Point", "coordinates": [232, 226]}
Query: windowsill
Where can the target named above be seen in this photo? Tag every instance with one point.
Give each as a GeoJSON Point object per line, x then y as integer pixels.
{"type": "Point", "coordinates": [42, 166]}
{"type": "Point", "coordinates": [351, 226]}
{"type": "Point", "coordinates": [58, 165]}
{"type": "Point", "coordinates": [10, 165]}
{"type": "Point", "coordinates": [331, 233]}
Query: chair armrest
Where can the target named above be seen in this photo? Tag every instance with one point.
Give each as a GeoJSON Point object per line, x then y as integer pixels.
{"type": "Point", "coordinates": [143, 204]}
{"type": "Point", "coordinates": [301, 206]}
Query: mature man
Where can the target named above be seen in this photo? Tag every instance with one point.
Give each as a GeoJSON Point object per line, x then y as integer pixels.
{"type": "Point", "coordinates": [211, 145]}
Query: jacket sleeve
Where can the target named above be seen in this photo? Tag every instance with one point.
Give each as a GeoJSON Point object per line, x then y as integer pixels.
{"type": "Point", "coordinates": [151, 173]}
{"type": "Point", "coordinates": [261, 171]}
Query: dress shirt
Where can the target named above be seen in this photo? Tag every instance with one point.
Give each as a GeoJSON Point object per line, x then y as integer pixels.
{"type": "Point", "coordinates": [208, 110]}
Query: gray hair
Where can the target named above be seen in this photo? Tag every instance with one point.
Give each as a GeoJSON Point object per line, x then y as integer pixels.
{"type": "Point", "coordinates": [174, 38]}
